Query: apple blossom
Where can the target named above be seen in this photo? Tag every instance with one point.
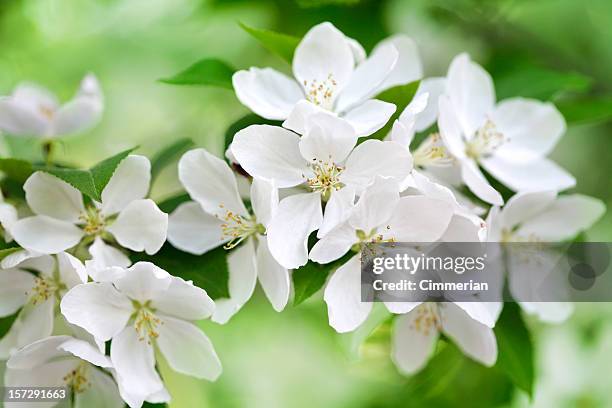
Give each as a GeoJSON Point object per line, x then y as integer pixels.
{"type": "Point", "coordinates": [218, 216]}
{"type": "Point", "coordinates": [34, 111]}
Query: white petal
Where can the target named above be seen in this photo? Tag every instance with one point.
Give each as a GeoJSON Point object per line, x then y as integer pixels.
{"type": "Point", "coordinates": [471, 92]}
{"type": "Point", "coordinates": [14, 285]}
{"type": "Point", "coordinates": [376, 158]}
{"type": "Point", "coordinates": [8, 216]}
{"type": "Point", "coordinates": [267, 92]}
{"type": "Point", "coordinates": [129, 182]}
{"type": "Point", "coordinates": [475, 339]}
{"type": "Point", "coordinates": [35, 96]}
{"type": "Point", "coordinates": [564, 219]}
{"type": "Point", "coordinates": [334, 244]}
{"type": "Point", "coordinates": [102, 391]}
{"type": "Point", "coordinates": [296, 217]}
{"type": "Point", "coordinates": [134, 362]}
{"type": "Point", "coordinates": [531, 128]}
{"type": "Point", "coordinates": [401, 134]}
{"type": "Point", "coordinates": [242, 279]}
{"type": "Point", "coordinates": [37, 353]}
{"type": "Point", "coordinates": [495, 225]}
{"type": "Point", "coordinates": [537, 175]}
{"type": "Point", "coordinates": [376, 205]}
{"type": "Point", "coordinates": [14, 259]}
{"type": "Point", "coordinates": [103, 255]}
{"type": "Point", "coordinates": [184, 300]}
{"type": "Point", "coordinates": [483, 312]}
{"type": "Point", "coordinates": [264, 200]}
{"type": "Point", "coordinates": [549, 312]}
{"type": "Point", "coordinates": [71, 270]}
{"type": "Point", "coordinates": [327, 139]}
{"type": "Point", "coordinates": [270, 152]}
{"type": "Point", "coordinates": [83, 111]}
{"type": "Point", "coordinates": [434, 87]}
{"type": "Point", "coordinates": [34, 322]}
{"type": "Point", "coordinates": [45, 234]}
{"type": "Point", "coordinates": [46, 375]}
{"type": "Point", "coordinates": [141, 226]}
{"type": "Point", "coordinates": [85, 351]}
{"type": "Point", "coordinates": [522, 206]}
{"type": "Point", "coordinates": [368, 77]}
{"type": "Point", "coordinates": [144, 281]}
{"type": "Point", "coordinates": [44, 264]}
{"type": "Point", "coordinates": [192, 230]}
{"type": "Point", "coordinates": [412, 343]}
{"type": "Point", "coordinates": [418, 219]}
{"type": "Point", "coordinates": [359, 53]}
{"type": "Point", "coordinates": [345, 309]}
{"type": "Point", "coordinates": [370, 116]}
{"type": "Point", "coordinates": [17, 119]}
{"type": "Point", "coordinates": [48, 195]}
{"type": "Point", "coordinates": [323, 53]}
{"type": "Point", "coordinates": [408, 67]}
{"type": "Point", "coordinates": [98, 308]}
{"type": "Point", "coordinates": [478, 184]}
{"type": "Point", "coordinates": [210, 181]}
{"type": "Point", "coordinates": [187, 349]}
{"type": "Point", "coordinates": [450, 129]}
{"type": "Point", "coordinates": [465, 228]}
{"type": "Point", "coordinates": [337, 209]}
{"type": "Point", "coordinates": [299, 115]}
{"type": "Point", "coordinates": [274, 278]}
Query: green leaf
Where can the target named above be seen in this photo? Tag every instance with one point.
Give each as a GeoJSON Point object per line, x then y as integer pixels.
{"type": "Point", "coordinates": [208, 271]}
{"type": "Point", "coordinates": [400, 96]}
{"type": "Point", "coordinates": [16, 169]}
{"type": "Point", "coordinates": [311, 277]}
{"type": "Point", "coordinates": [586, 110]}
{"type": "Point", "coordinates": [280, 44]}
{"type": "Point", "coordinates": [169, 204]}
{"type": "Point", "coordinates": [151, 405]}
{"type": "Point", "coordinates": [209, 71]}
{"type": "Point", "coordinates": [539, 83]}
{"type": "Point", "coordinates": [6, 323]}
{"type": "Point", "coordinates": [169, 154]}
{"type": "Point", "coordinates": [515, 357]}
{"type": "Point", "coordinates": [89, 182]}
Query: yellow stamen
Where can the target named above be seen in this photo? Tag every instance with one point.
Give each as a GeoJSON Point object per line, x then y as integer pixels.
{"type": "Point", "coordinates": [326, 178]}
{"type": "Point", "coordinates": [321, 93]}
{"type": "Point", "coordinates": [486, 140]}
{"type": "Point", "coordinates": [427, 319]}
{"type": "Point", "coordinates": [93, 221]}
{"type": "Point", "coordinates": [432, 153]}
{"type": "Point", "coordinates": [77, 378]}
{"type": "Point", "coordinates": [145, 322]}
{"type": "Point", "coordinates": [237, 228]}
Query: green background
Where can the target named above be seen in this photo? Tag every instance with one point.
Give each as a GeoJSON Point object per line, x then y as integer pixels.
{"type": "Point", "coordinates": [549, 49]}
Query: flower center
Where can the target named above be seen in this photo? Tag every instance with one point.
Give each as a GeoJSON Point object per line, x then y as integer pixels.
{"type": "Point", "coordinates": [326, 178]}
{"type": "Point", "coordinates": [373, 237]}
{"type": "Point", "coordinates": [46, 111]}
{"type": "Point", "coordinates": [432, 153]}
{"type": "Point", "coordinates": [145, 322]}
{"type": "Point", "coordinates": [321, 93]}
{"type": "Point", "coordinates": [237, 228]}
{"type": "Point", "coordinates": [427, 319]}
{"type": "Point", "coordinates": [77, 378]}
{"type": "Point", "coordinates": [511, 236]}
{"type": "Point", "coordinates": [44, 288]}
{"type": "Point", "coordinates": [486, 140]}
{"type": "Point", "coordinates": [93, 221]}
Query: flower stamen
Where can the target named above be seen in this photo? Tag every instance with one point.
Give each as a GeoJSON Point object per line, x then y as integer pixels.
{"type": "Point", "coordinates": [432, 153]}
{"type": "Point", "coordinates": [237, 228]}
{"type": "Point", "coordinates": [321, 93]}
{"type": "Point", "coordinates": [486, 140]}
{"type": "Point", "coordinates": [44, 288]}
{"type": "Point", "coordinates": [93, 221]}
{"type": "Point", "coordinates": [427, 319]}
{"type": "Point", "coordinates": [145, 322]}
{"type": "Point", "coordinates": [326, 178]}
{"type": "Point", "coordinates": [77, 379]}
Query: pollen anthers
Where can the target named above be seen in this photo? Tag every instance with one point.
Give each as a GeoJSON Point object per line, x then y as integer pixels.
{"type": "Point", "coordinates": [145, 322]}
{"type": "Point", "coordinates": [46, 111]}
{"type": "Point", "coordinates": [427, 319]}
{"type": "Point", "coordinates": [93, 221]}
{"type": "Point", "coordinates": [486, 140]}
{"type": "Point", "coordinates": [326, 177]}
{"type": "Point", "coordinates": [237, 228]}
{"type": "Point", "coordinates": [511, 236]}
{"type": "Point", "coordinates": [432, 153]}
{"type": "Point", "coordinates": [321, 93]}
{"type": "Point", "coordinates": [45, 287]}
{"type": "Point", "coordinates": [372, 237]}
{"type": "Point", "coordinates": [77, 379]}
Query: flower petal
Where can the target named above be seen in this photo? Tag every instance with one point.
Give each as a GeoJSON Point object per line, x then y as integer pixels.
{"type": "Point", "coordinates": [144, 281]}
{"type": "Point", "coordinates": [129, 182]}
{"type": "Point", "coordinates": [565, 218]}
{"type": "Point", "coordinates": [531, 128]}
{"type": "Point", "coordinates": [323, 54]}
{"type": "Point", "coordinates": [522, 206]}
{"type": "Point", "coordinates": [34, 322]}
{"type": "Point", "coordinates": [418, 219]}
{"type": "Point", "coordinates": [327, 139]}
{"type": "Point", "coordinates": [471, 92]}
{"type": "Point", "coordinates": [270, 152]}
{"type": "Point", "coordinates": [370, 116]}
{"type": "Point", "coordinates": [435, 87]}
{"type": "Point", "coordinates": [71, 270]}
{"type": "Point", "coordinates": [85, 351]}
{"type": "Point", "coordinates": [267, 92]}
{"type": "Point", "coordinates": [192, 230]}
{"type": "Point", "coordinates": [537, 175]}
{"type": "Point", "coordinates": [475, 339]}
{"type": "Point", "coordinates": [483, 312]}
{"type": "Point", "coordinates": [408, 67]}
{"type": "Point", "coordinates": [375, 158]}
{"type": "Point", "coordinates": [273, 277]}
{"type": "Point", "coordinates": [102, 392]}
{"type": "Point", "coordinates": [37, 353]}
{"type": "Point", "coordinates": [45, 234]}
{"type": "Point", "coordinates": [334, 244]}
{"type": "Point", "coordinates": [98, 308]}
{"type": "Point", "coordinates": [376, 205]}
{"type": "Point", "coordinates": [478, 184]}
{"type": "Point", "coordinates": [210, 182]}
{"type": "Point", "coordinates": [296, 121]}
{"type": "Point", "coordinates": [103, 255]}
{"type": "Point", "coordinates": [14, 287]}
{"type": "Point", "coordinates": [412, 343]}
{"type": "Point", "coordinates": [549, 312]}
{"type": "Point", "coordinates": [368, 77]}
{"type": "Point", "coordinates": [184, 300]}
{"type": "Point", "coordinates": [19, 120]}
{"type": "Point", "coordinates": [337, 210]}
{"type": "Point", "coordinates": [296, 217]}
{"type": "Point", "coordinates": [141, 226]}
{"type": "Point", "coordinates": [264, 200]}
{"type": "Point", "coordinates": [450, 129]}
{"type": "Point", "coordinates": [342, 294]}
{"type": "Point", "coordinates": [48, 195]}
{"type": "Point", "coordinates": [83, 111]}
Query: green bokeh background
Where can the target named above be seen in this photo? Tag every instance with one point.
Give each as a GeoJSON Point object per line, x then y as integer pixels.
{"type": "Point", "coordinates": [295, 359]}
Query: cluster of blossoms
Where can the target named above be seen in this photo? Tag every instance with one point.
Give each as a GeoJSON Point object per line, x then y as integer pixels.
{"type": "Point", "coordinates": [89, 319]}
